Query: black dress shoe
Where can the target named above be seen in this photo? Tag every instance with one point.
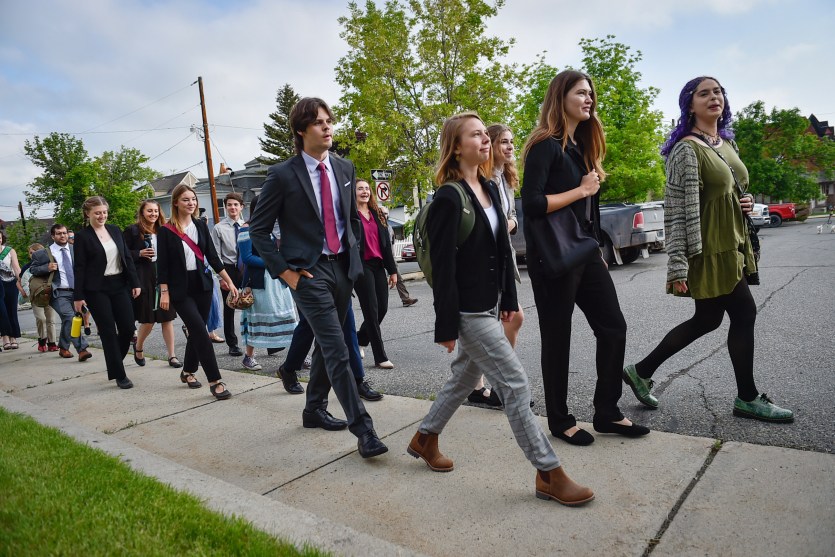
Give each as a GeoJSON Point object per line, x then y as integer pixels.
{"type": "Point", "coordinates": [322, 418]}
{"type": "Point", "coordinates": [271, 351]}
{"type": "Point", "coordinates": [290, 381]}
{"type": "Point", "coordinates": [367, 393]}
{"type": "Point", "coordinates": [478, 397]}
{"type": "Point", "coordinates": [581, 438]}
{"type": "Point", "coordinates": [633, 430]}
{"type": "Point", "coordinates": [124, 383]}
{"type": "Point", "coordinates": [369, 445]}
{"type": "Point", "coordinates": [235, 351]}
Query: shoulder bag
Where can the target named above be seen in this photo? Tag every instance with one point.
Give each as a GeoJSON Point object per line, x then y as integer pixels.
{"type": "Point", "coordinates": [40, 287]}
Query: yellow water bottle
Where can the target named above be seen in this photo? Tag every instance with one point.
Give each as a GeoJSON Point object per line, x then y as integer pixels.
{"type": "Point", "coordinates": [75, 331]}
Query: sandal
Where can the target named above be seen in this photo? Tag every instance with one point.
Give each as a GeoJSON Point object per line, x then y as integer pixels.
{"type": "Point", "coordinates": [174, 362]}
{"type": "Point", "coordinates": [7, 346]}
{"type": "Point", "coordinates": [222, 395]}
{"type": "Point", "coordinates": [14, 346]}
{"type": "Point", "coordinates": [190, 380]}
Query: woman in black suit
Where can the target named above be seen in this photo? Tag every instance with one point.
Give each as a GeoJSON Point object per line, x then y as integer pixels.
{"type": "Point", "coordinates": [105, 281]}
{"type": "Point", "coordinates": [185, 253]}
{"type": "Point", "coordinates": [372, 287]}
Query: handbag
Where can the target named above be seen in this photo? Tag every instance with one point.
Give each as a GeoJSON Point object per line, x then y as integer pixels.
{"type": "Point", "coordinates": [560, 243]}
{"type": "Point", "coordinates": [40, 287]}
{"type": "Point", "coordinates": [245, 297]}
{"type": "Point", "coordinates": [752, 278]}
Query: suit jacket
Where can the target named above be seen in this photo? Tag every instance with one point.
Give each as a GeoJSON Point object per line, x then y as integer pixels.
{"type": "Point", "coordinates": [385, 245]}
{"type": "Point", "coordinates": [473, 277]}
{"type": "Point", "coordinates": [90, 260]}
{"type": "Point", "coordinates": [287, 195]}
{"type": "Point", "coordinates": [171, 261]}
{"type": "Point", "coordinates": [39, 267]}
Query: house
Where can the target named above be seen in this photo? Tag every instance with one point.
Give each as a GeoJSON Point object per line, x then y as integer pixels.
{"type": "Point", "coordinates": [824, 131]}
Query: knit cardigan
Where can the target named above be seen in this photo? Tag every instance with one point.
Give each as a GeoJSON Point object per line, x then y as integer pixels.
{"type": "Point", "coordinates": [682, 219]}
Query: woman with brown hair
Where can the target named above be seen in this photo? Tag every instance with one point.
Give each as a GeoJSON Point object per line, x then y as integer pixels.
{"type": "Point", "coordinates": [377, 260]}
{"type": "Point", "coordinates": [474, 291]}
{"type": "Point", "coordinates": [105, 282]}
{"type": "Point", "coordinates": [185, 284]}
{"type": "Point", "coordinates": [563, 169]}
{"type": "Point", "coordinates": [141, 239]}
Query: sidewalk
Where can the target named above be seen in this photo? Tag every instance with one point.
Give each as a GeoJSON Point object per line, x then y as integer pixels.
{"type": "Point", "coordinates": [671, 494]}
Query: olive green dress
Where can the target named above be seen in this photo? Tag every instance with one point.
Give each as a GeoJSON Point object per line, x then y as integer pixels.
{"type": "Point", "coordinates": [725, 243]}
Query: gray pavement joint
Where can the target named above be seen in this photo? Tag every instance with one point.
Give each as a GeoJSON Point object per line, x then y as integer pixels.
{"type": "Point", "coordinates": [652, 543]}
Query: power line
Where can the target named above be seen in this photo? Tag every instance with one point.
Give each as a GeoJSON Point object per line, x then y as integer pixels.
{"type": "Point", "coordinates": [102, 132]}
{"type": "Point", "coordinates": [163, 123]}
{"type": "Point", "coordinates": [218, 150]}
{"type": "Point", "coordinates": [159, 155]}
{"type": "Point", "coordinates": [138, 109]}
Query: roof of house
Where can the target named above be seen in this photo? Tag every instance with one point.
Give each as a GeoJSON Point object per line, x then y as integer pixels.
{"type": "Point", "coordinates": [168, 183]}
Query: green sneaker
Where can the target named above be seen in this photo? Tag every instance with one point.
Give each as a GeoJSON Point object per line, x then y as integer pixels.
{"type": "Point", "coordinates": [640, 386]}
{"type": "Point", "coordinates": [762, 408]}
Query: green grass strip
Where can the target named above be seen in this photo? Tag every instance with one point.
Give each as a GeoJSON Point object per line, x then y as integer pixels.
{"type": "Point", "coordinates": [59, 497]}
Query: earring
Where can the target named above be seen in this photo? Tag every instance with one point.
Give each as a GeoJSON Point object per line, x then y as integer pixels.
{"type": "Point", "coordinates": [457, 158]}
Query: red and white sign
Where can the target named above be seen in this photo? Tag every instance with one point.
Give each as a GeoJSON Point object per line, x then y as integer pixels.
{"type": "Point", "coordinates": [383, 191]}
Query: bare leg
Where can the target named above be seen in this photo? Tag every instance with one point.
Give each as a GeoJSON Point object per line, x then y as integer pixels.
{"type": "Point", "coordinates": [168, 336]}
{"type": "Point", "coordinates": [144, 330]}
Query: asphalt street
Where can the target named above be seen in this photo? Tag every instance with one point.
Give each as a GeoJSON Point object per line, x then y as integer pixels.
{"type": "Point", "coordinates": [794, 359]}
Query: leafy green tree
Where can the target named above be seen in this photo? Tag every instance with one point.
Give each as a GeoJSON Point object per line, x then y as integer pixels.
{"type": "Point", "coordinates": [411, 64]}
{"type": "Point", "coordinates": [20, 237]}
{"type": "Point", "coordinates": [70, 175]}
{"type": "Point", "coordinates": [278, 137]}
{"type": "Point", "coordinates": [784, 159]}
{"type": "Point", "coordinates": [528, 102]}
{"type": "Point", "coordinates": [633, 128]}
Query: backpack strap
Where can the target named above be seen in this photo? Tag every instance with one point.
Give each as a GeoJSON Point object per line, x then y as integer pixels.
{"type": "Point", "coordinates": [465, 227]}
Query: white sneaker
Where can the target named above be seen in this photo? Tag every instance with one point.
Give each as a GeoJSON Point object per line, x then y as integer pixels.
{"type": "Point", "coordinates": [251, 364]}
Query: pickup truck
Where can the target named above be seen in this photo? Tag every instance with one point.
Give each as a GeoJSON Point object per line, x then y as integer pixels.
{"type": "Point", "coordinates": [629, 231]}
{"type": "Point", "coordinates": [778, 212]}
{"type": "Point", "coordinates": [759, 216]}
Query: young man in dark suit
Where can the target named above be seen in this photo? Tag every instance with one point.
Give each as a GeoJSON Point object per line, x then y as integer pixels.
{"type": "Point", "coordinates": [312, 197]}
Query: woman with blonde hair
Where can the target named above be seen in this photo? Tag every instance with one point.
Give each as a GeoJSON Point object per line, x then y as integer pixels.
{"type": "Point", "coordinates": [141, 239]}
{"type": "Point", "coordinates": [185, 255]}
{"type": "Point", "coordinates": [474, 291]}
{"type": "Point", "coordinates": [563, 170]}
{"type": "Point", "coordinates": [105, 281]}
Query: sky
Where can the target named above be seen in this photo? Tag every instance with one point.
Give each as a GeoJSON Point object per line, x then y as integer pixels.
{"type": "Point", "coordinates": [122, 72]}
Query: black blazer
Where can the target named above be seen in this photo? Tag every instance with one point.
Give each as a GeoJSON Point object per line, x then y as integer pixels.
{"type": "Point", "coordinates": [287, 195]}
{"type": "Point", "coordinates": [89, 260]}
{"type": "Point", "coordinates": [171, 261]}
{"type": "Point", "coordinates": [385, 244]}
{"type": "Point", "coordinates": [472, 277]}
{"type": "Point", "coordinates": [135, 242]}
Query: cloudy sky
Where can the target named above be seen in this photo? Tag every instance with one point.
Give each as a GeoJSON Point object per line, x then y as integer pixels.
{"type": "Point", "coordinates": [120, 72]}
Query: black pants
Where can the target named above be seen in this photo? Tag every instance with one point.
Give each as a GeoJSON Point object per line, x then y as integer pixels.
{"type": "Point", "coordinates": [112, 308]}
{"type": "Point", "coordinates": [742, 310]}
{"type": "Point", "coordinates": [324, 301]}
{"type": "Point", "coordinates": [372, 291]}
{"type": "Point", "coordinates": [591, 288]}
{"type": "Point", "coordinates": [229, 313]}
{"type": "Point", "coordinates": [194, 311]}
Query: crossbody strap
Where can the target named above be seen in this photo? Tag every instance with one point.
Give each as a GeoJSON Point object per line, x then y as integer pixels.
{"type": "Point", "coordinates": [189, 242]}
{"type": "Point", "coordinates": [739, 189]}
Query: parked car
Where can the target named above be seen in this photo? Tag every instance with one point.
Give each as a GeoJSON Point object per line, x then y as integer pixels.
{"type": "Point", "coordinates": [759, 215]}
{"type": "Point", "coordinates": [408, 253]}
{"type": "Point", "coordinates": [778, 212]}
{"type": "Point", "coordinates": [629, 231]}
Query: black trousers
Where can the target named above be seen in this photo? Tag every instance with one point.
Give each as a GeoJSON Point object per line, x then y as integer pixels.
{"type": "Point", "coordinates": [591, 288]}
{"type": "Point", "coordinates": [229, 313]}
{"type": "Point", "coordinates": [194, 311]}
{"type": "Point", "coordinates": [372, 291]}
{"type": "Point", "coordinates": [742, 310]}
{"type": "Point", "coordinates": [324, 301]}
{"type": "Point", "coordinates": [112, 308]}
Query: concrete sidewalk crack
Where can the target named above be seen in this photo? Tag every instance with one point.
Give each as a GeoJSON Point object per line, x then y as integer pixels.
{"type": "Point", "coordinates": [653, 542]}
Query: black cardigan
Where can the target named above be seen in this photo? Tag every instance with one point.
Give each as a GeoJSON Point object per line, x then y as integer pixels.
{"type": "Point", "coordinates": [171, 261]}
{"type": "Point", "coordinates": [470, 278]}
{"type": "Point", "coordinates": [90, 260]}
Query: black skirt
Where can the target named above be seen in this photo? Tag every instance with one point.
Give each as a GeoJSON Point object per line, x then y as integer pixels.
{"type": "Point", "coordinates": [143, 305]}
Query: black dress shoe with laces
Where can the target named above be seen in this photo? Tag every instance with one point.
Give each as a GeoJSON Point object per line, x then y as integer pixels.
{"type": "Point", "coordinates": [369, 445]}
{"type": "Point", "coordinates": [235, 351]}
{"type": "Point", "coordinates": [124, 383]}
{"type": "Point", "coordinates": [322, 418]}
{"type": "Point", "coordinates": [367, 393]}
{"type": "Point", "coordinates": [290, 381]}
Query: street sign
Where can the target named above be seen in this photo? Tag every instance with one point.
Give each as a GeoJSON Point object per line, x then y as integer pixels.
{"type": "Point", "coordinates": [383, 191]}
{"type": "Point", "coordinates": [382, 174]}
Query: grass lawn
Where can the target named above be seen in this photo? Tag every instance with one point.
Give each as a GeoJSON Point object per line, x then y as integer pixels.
{"type": "Point", "coordinates": [59, 497]}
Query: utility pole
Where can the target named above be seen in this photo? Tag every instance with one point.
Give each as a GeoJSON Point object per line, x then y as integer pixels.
{"type": "Point", "coordinates": [208, 147]}
{"type": "Point", "coordinates": [22, 217]}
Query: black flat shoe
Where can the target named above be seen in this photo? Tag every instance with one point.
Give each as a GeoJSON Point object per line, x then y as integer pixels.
{"type": "Point", "coordinates": [191, 384]}
{"type": "Point", "coordinates": [271, 351]}
{"type": "Point", "coordinates": [174, 362]}
{"type": "Point", "coordinates": [633, 430]}
{"type": "Point", "coordinates": [124, 383]}
{"type": "Point", "coordinates": [582, 438]}
{"type": "Point", "coordinates": [139, 361]}
{"type": "Point", "coordinates": [223, 395]}
{"type": "Point", "coordinates": [478, 397]}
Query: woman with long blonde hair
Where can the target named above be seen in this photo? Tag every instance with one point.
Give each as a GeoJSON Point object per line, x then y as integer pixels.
{"type": "Point", "coordinates": [186, 257]}
{"type": "Point", "coordinates": [141, 239]}
{"type": "Point", "coordinates": [563, 169]}
{"type": "Point", "coordinates": [474, 291]}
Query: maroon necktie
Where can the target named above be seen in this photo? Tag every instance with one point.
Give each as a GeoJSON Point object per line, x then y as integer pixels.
{"type": "Point", "coordinates": [331, 235]}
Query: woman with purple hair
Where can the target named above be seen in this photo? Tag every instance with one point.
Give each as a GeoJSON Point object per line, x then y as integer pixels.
{"type": "Point", "coordinates": [710, 252]}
